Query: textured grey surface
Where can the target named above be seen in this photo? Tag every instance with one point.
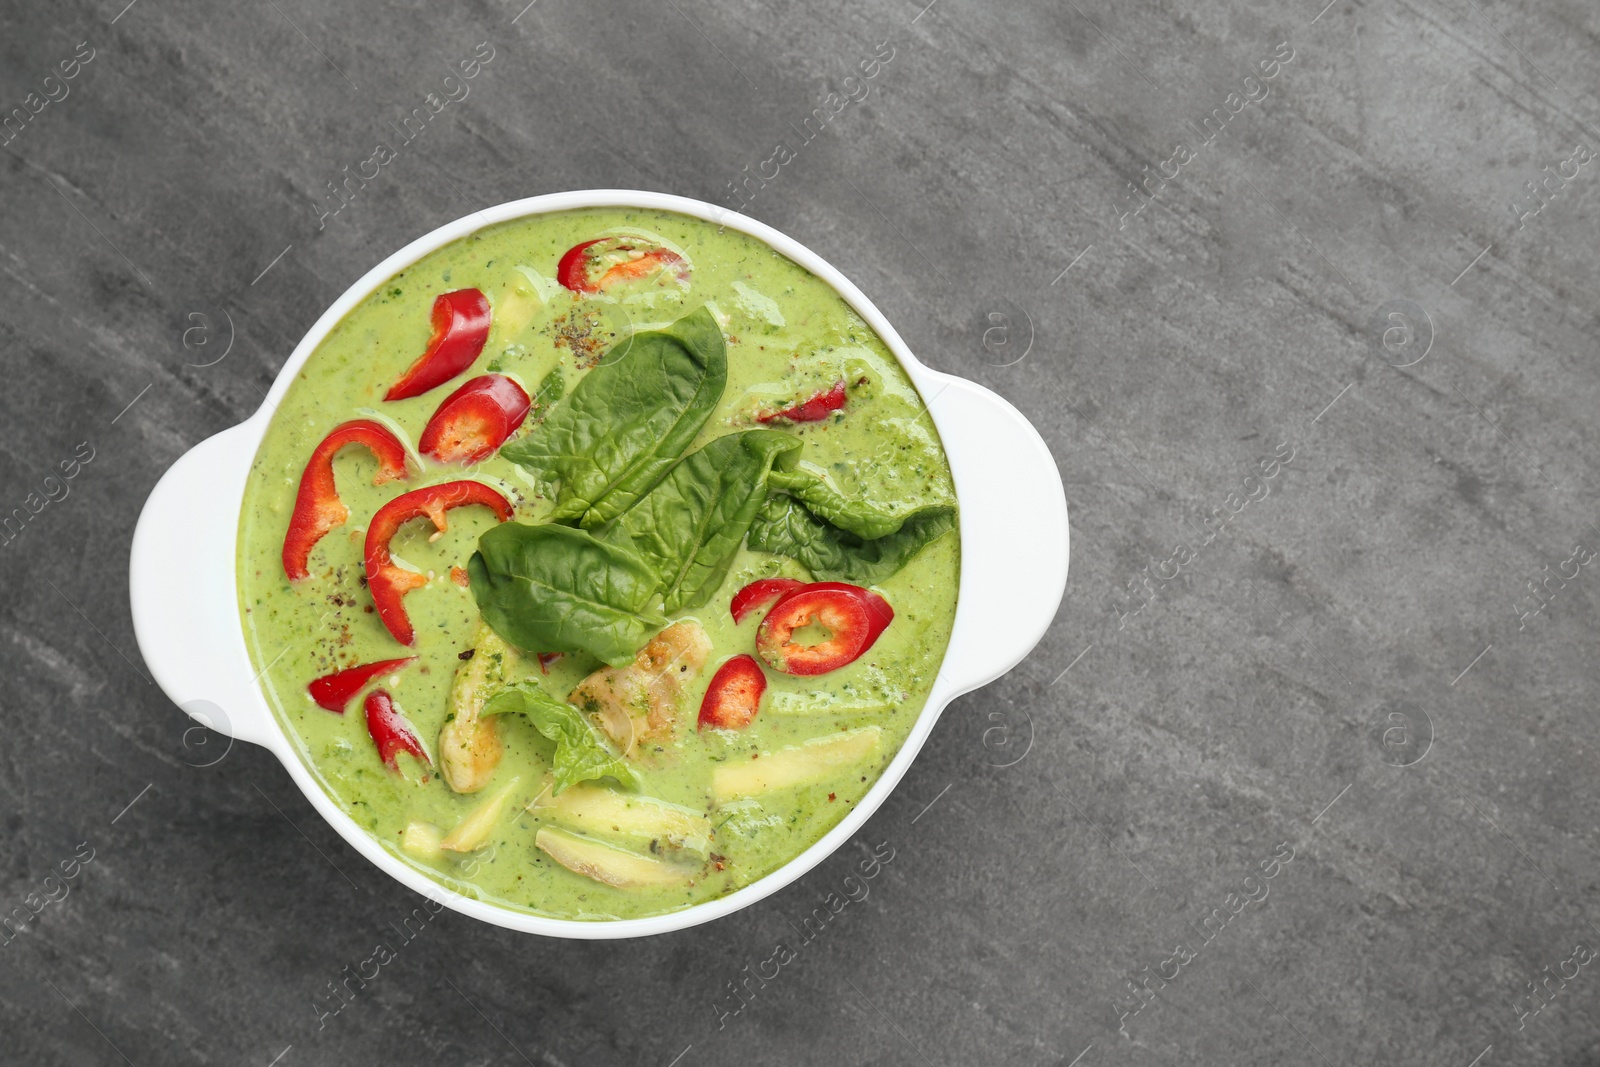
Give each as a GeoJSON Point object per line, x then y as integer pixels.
{"type": "Point", "coordinates": [1090, 810]}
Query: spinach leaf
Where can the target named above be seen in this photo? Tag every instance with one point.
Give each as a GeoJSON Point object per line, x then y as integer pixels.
{"type": "Point", "coordinates": [811, 485]}
{"type": "Point", "coordinates": [552, 588]}
{"type": "Point", "coordinates": [628, 420]}
{"type": "Point", "coordinates": [692, 523]}
{"type": "Point", "coordinates": [581, 753]}
{"type": "Point", "coordinates": [786, 527]}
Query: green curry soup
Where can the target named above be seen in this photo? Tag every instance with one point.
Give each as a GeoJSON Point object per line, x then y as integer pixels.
{"type": "Point", "coordinates": [584, 785]}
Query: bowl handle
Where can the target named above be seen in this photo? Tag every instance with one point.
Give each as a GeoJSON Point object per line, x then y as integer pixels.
{"type": "Point", "coordinates": [1014, 536]}
{"type": "Point", "coordinates": [184, 592]}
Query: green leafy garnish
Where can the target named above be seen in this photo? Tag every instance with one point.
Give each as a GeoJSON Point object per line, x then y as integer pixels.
{"type": "Point", "coordinates": [581, 752]}
{"type": "Point", "coordinates": [651, 524]}
{"type": "Point", "coordinates": [551, 387]}
{"type": "Point", "coordinates": [811, 485]}
{"type": "Point", "coordinates": [786, 527]}
{"type": "Point", "coordinates": [690, 526]}
{"type": "Point", "coordinates": [628, 420]}
{"type": "Point", "coordinates": [552, 588]}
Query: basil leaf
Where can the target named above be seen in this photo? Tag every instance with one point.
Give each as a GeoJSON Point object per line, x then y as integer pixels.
{"type": "Point", "coordinates": [811, 485]}
{"type": "Point", "coordinates": [628, 420]}
{"type": "Point", "coordinates": [785, 527]}
{"type": "Point", "coordinates": [691, 524]}
{"type": "Point", "coordinates": [552, 588]}
{"type": "Point", "coordinates": [581, 753]}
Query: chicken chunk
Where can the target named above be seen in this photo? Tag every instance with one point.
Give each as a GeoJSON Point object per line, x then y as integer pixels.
{"type": "Point", "coordinates": [639, 703]}
{"type": "Point", "coordinates": [469, 744]}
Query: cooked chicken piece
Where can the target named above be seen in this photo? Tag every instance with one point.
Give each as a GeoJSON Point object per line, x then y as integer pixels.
{"type": "Point", "coordinates": [639, 702]}
{"type": "Point", "coordinates": [469, 746]}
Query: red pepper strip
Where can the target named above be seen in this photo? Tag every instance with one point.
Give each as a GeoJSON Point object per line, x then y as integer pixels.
{"type": "Point", "coordinates": [389, 582]}
{"type": "Point", "coordinates": [760, 593]}
{"type": "Point", "coordinates": [547, 658]}
{"type": "Point", "coordinates": [575, 269]}
{"type": "Point", "coordinates": [734, 696]}
{"type": "Point", "coordinates": [854, 616]}
{"type": "Point", "coordinates": [333, 691]}
{"type": "Point", "coordinates": [460, 327]}
{"type": "Point", "coordinates": [815, 409]}
{"type": "Point", "coordinates": [645, 265]}
{"type": "Point", "coordinates": [317, 507]}
{"type": "Point", "coordinates": [391, 732]}
{"type": "Point", "coordinates": [475, 420]}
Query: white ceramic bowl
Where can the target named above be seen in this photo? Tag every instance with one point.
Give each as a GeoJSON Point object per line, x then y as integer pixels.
{"type": "Point", "coordinates": [1013, 565]}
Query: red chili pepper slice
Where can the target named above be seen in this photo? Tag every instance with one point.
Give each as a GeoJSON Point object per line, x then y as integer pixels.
{"type": "Point", "coordinates": [547, 658]}
{"type": "Point", "coordinates": [475, 420]}
{"type": "Point", "coordinates": [734, 696]}
{"type": "Point", "coordinates": [460, 327]}
{"type": "Point", "coordinates": [333, 691]}
{"type": "Point", "coordinates": [760, 593]}
{"type": "Point", "coordinates": [389, 582]}
{"type": "Point", "coordinates": [390, 731]}
{"type": "Point", "coordinates": [579, 266]}
{"type": "Point", "coordinates": [814, 409]}
{"type": "Point", "coordinates": [642, 267]}
{"type": "Point", "coordinates": [317, 507]}
{"type": "Point", "coordinates": [879, 613]}
{"type": "Point", "coordinates": [855, 618]}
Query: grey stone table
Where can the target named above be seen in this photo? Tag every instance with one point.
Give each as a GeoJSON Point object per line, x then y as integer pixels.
{"type": "Point", "coordinates": [1303, 300]}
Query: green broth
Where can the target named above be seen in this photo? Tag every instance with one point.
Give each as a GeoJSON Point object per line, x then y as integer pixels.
{"type": "Point", "coordinates": [788, 335]}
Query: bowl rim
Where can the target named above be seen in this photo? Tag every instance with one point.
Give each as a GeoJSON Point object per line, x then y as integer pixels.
{"type": "Point", "coordinates": [247, 437]}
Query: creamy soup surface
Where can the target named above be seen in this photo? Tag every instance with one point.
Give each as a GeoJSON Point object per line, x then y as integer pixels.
{"type": "Point", "coordinates": [579, 728]}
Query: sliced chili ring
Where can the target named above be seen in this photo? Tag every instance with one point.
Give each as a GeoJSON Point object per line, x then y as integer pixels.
{"type": "Point", "coordinates": [387, 581]}
{"type": "Point", "coordinates": [760, 593]}
{"type": "Point", "coordinates": [317, 507]}
{"type": "Point", "coordinates": [734, 696]}
{"type": "Point", "coordinates": [583, 267]}
{"type": "Point", "coordinates": [855, 617]}
{"type": "Point", "coordinates": [879, 613]}
{"type": "Point", "coordinates": [844, 616]}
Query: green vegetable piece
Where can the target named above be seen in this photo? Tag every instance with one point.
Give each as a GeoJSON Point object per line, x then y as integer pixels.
{"type": "Point", "coordinates": [628, 420]}
{"type": "Point", "coordinates": [811, 485]}
{"type": "Point", "coordinates": [552, 588]}
{"type": "Point", "coordinates": [581, 755]}
{"type": "Point", "coordinates": [785, 527]}
{"type": "Point", "coordinates": [690, 526]}
{"type": "Point", "coordinates": [551, 388]}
